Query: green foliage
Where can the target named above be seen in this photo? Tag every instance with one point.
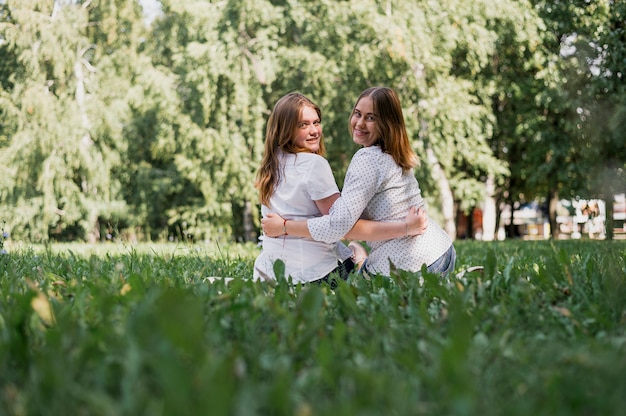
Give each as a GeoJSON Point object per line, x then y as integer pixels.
{"type": "Point", "coordinates": [156, 131]}
{"type": "Point", "coordinates": [130, 330]}
{"type": "Point", "coordinates": [4, 235]}
{"type": "Point", "coordinates": [59, 155]}
{"type": "Point", "coordinates": [569, 146]}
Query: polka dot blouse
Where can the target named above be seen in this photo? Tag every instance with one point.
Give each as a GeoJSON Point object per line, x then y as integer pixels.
{"type": "Point", "coordinates": [377, 189]}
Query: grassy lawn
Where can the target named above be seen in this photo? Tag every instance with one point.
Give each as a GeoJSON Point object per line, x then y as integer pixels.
{"type": "Point", "coordinates": [139, 330]}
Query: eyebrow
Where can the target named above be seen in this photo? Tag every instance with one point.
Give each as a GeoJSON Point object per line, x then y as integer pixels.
{"type": "Point", "coordinates": [361, 111]}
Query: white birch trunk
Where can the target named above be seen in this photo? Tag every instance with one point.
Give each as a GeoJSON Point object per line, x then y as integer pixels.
{"type": "Point", "coordinates": [489, 210]}
{"type": "Point", "coordinates": [447, 200]}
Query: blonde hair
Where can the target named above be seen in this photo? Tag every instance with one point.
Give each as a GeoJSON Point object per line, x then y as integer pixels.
{"type": "Point", "coordinates": [279, 137]}
{"type": "Point", "coordinates": [394, 138]}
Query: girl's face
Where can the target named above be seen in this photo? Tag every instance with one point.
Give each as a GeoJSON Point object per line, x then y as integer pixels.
{"type": "Point", "coordinates": [309, 130]}
{"type": "Point", "coordinates": [363, 123]}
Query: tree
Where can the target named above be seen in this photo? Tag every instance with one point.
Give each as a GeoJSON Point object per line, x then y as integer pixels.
{"type": "Point", "coordinates": [605, 115]}
{"type": "Point", "coordinates": [156, 131]}
{"type": "Point", "coordinates": [407, 46]}
{"type": "Point", "coordinates": [572, 139]}
{"type": "Point", "coordinates": [60, 152]}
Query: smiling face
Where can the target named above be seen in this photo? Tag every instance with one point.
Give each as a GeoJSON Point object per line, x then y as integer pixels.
{"type": "Point", "coordinates": [363, 123]}
{"type": "Point", "coordinates": [308, 130]}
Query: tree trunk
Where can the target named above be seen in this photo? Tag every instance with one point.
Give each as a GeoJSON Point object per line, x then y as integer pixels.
{"type": "Point", "coordinates": [489, 210]}
{"type": "Point", "coordinates": [553, 201]}
{"type": "Point", "coordinates": [608, 216]}
{"type": "Point", "coordinates": [243, 225]}
{"type": "Point", "coordinates": [470, 225]}
{"type": "Point", "coordinates": [447, 200]}
{"type": "Point", "coordinates": [92, 229]}
{"type": "Point", "coordinates": [499, 203]}
{"type": "Point", "coordinates": [248, 226]}
{"type": "Point", "coordinates": [510, 227]}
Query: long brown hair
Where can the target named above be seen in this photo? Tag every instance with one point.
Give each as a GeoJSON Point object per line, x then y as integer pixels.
{"type": "Point", "coordinates": [279, 137]}
{"type": "Point", "coordinates": [394, 138]}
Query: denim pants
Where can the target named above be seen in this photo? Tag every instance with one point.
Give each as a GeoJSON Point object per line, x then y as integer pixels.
{"type": "Point", "coordinates": [342, 272]}
{"type": "Point", "coordinates": [444, 265]}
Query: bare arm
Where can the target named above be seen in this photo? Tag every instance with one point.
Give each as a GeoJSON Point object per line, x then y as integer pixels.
{"type": "Point", "coordinates": [324, 204]}
{"type": "Point", "coordinates": [415, 223]}
{"type": "Point", "coordinates": [276, 222]}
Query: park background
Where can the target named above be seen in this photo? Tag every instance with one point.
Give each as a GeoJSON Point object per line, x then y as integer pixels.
{"type": "Point", "coordinates": [144, 121]}
{"type": "Point", "coordinates": [119, 125]}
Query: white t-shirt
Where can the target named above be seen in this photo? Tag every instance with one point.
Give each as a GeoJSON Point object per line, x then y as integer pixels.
{"type": "Point", "coordinates": [377, 189]}
{"type": "Point", "coordinates": [305, 178]}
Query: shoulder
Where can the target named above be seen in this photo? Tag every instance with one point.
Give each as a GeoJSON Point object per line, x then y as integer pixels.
{"type": "Point", "coordinates": [305, 159]}
{"type": "Point", "coordinates": [371, 151]}
{"type": "Point", "coordinates": [368, 156]}
{"type": "Point", "coordinates": [317, 162]}
{"type": "Point", "coordinates": [312, 157]}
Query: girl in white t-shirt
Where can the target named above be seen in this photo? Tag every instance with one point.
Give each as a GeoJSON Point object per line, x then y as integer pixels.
{"type": "Point", "coordinates": [380, 185]}
{"type": "Point", "coordinates": [296, 182]}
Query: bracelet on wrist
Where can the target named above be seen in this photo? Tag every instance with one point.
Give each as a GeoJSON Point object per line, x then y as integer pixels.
{"type": "Point", "coordinates": [285, 227]}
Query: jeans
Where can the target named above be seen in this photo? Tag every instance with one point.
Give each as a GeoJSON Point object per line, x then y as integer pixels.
{"type": "Point", "coordinates": [342, 271]}
{"type": "Point", "coordinates": [444, 265]}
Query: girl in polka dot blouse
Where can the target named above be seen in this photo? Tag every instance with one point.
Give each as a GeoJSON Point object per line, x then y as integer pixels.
{"type": "Point", "coordinates": [380, 185]}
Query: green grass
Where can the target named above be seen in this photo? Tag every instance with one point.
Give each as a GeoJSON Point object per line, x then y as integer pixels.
{"type": "Point", "coordinates": [138, 330]}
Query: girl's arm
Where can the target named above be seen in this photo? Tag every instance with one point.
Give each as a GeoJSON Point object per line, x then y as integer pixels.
{"type": "Point", "coordinates": [324, 204]}
{"type": "Point", "coordinates": [415, 223]}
